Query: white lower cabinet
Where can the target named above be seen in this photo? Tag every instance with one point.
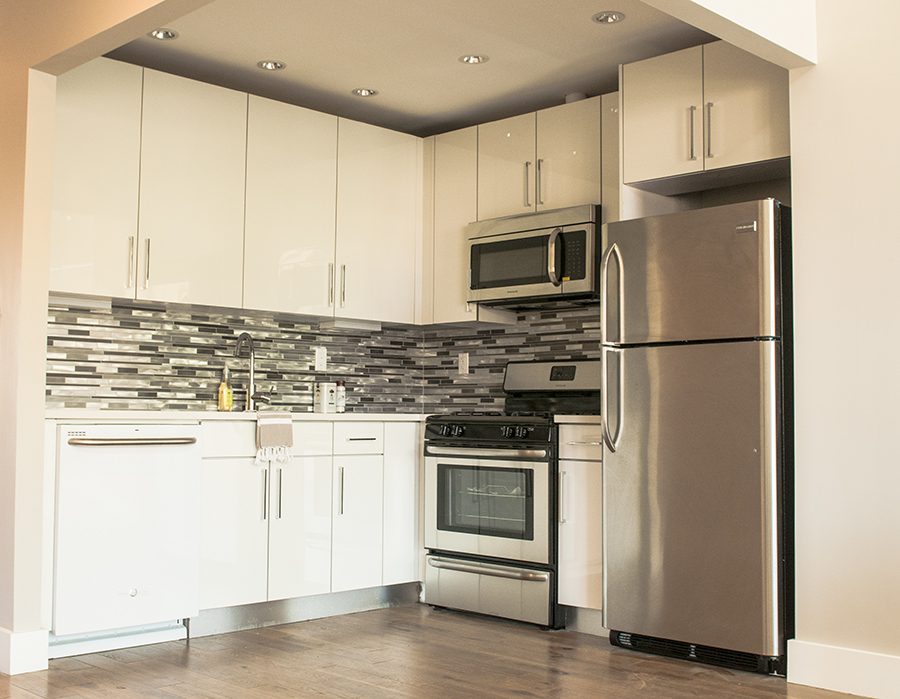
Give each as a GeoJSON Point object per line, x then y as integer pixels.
{"type": "Point", "coordinates": [580, 517]}
{"type": "Point", "coordinates": [300, 528]}
{"type": "Point", "coordinates": [356, 543]}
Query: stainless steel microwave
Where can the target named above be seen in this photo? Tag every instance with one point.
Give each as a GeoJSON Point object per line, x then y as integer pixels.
{"type": "Point", "coordinates": [546, 255]}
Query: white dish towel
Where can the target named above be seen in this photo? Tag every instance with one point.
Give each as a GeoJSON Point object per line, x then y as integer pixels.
{"type": "Point", "coordinates": [274, 436]}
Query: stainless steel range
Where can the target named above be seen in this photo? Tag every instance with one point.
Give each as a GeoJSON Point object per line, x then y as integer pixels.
{"type": "Point", "coordinates": [491, 494]}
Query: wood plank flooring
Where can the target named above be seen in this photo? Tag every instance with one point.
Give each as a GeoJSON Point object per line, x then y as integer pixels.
{"type": "Point", "coordinates": [408, 651]}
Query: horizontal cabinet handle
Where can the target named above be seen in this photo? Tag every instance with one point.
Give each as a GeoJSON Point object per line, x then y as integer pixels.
{"type": "Point", "coordinates": [361, 439]}
{"type": "Point", "coordinates": [585, 444]}
{"type": "Point", "coordinates": [130, 441]}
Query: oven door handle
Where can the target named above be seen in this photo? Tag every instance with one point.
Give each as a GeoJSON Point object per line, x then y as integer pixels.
{"type": "Point", "coordinates": [489, 570]}
{"type": "Point", "coordinates": [477, 452]}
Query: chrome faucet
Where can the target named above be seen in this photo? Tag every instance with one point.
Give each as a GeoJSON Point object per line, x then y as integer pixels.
{"type": "Point", "coordinates": [245, 339]}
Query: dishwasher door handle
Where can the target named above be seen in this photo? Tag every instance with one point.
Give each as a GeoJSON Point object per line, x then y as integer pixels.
{"type": "Point", "coordinates": [130, 441]}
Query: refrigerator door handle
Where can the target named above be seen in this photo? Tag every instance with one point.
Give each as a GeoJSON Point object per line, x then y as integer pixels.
{"type": "Point", "coordinates": [612, 250]}
{"type": "Point", "coordinates": [612, 441]}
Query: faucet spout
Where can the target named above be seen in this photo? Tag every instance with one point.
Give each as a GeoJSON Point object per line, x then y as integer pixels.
{"type": "Point", "coordinates": [246, 339]}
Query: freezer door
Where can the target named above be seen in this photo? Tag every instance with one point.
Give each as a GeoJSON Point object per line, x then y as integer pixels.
{"type": "Point", "coordinates": [695, 275]}
{"type": "Point", "coordinates": [690, 499]}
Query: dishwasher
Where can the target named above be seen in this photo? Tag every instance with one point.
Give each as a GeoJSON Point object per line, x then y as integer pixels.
{"type": "Point", "coordinates": [127, 526]}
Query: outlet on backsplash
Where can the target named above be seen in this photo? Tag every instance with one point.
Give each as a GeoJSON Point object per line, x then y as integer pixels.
{"type": "Point", "coordinates": [463, 363]}
{"type": "Point", "coordinates": [321, 359]}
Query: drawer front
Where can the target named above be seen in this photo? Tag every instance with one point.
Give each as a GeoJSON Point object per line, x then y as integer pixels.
{"type": "Point", "coordinates": [312, 439]}
{"type": "Point", "coordinates": [358, 437]}
{"type": "Point", "coordinates": [228, 438]}
{"type": "Point", "coordinates": [581, 442]}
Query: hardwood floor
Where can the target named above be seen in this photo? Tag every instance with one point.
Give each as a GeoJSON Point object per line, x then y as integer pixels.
{"type": "Point", "coordinates": [409, 651]}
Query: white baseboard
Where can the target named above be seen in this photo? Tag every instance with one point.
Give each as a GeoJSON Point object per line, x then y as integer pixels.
{"type": "Point", "coordinates": [844, 669]}
{"type": "Point", "coordinates": [25, 651]}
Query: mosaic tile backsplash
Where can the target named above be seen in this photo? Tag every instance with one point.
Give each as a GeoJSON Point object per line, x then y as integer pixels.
{"type": "Point", "coordinates": [156, 356]}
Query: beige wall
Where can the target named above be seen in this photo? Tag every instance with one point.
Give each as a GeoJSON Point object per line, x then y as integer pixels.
{"type": "Point", "coordinates": [54, 35]}
{"type": "Point", "coordinates": [845, 144]}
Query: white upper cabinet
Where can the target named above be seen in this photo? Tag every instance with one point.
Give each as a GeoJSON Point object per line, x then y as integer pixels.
{"type": "Point", "coordinates": [746, 110]}
{"type": "Point", "coordinates": [567, 166]}
{"type": "Point", "coordinates": [702, 109]}
{"type": "Point", "coordinates": [544, 160]}
{"type": "Point", "coordinates": [290, 208]}
{"type": "Point", "coordinates": [95, 181]}
{"type": "Point", "coordinates": [378, 222]}
{"type": "Point", "coordinates": [193, 146]}
{"type": "Point", "coordinates": [506, 167]}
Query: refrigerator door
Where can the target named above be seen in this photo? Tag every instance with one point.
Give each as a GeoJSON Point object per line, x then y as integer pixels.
{"type": "Point", "coordinates": [696, 275]}
{"type": "Point", "coordinates": [690, 495]}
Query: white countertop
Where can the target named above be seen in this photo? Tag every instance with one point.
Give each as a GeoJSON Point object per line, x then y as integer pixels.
{"type": "Point", "coordinates": [577, 419]}
{"type": "Point", "coordinates": [135, 416]}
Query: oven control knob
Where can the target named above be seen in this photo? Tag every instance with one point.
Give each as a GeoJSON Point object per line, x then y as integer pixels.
{"type": "Point", "coordinates": [457, 430]}
{"type": "Point", "coordinates": [507, 431]}
{"type": "Point", "coordinates": [444, 430]}
{"type": "Point", "coordinates": [522, 432]}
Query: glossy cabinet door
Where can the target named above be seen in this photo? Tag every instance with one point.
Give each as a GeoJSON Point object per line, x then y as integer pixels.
{"type": "Point", "coordinates": [193, 147]}
{"type": "Point", "coordinates": [581, 533]}
{"type": "Point", "coordinates": [357, 526]}
{"type": "Point", "coordinates": [455, 206]}
{"type": "Point", "coordinates": [402, 445]}
{"type": "Point", "coordinates": [662, 99]}
{"type": "Point", "coordinates": [300, 527]}
{"type": "Point", "coordinates": [567, 168]}
{"type": "Point", "coordinates": [93, 242]}
{"type": "Point", "coordinates": [746, 113]}
{"type": "Point", "coordinates": [378, 222]}
{"type": "Point", "coordinates": [506, 166]}
{"type": "Point", "coordinates": [233, 530]}
{"type": "Point", "coordinates": [289, 225]}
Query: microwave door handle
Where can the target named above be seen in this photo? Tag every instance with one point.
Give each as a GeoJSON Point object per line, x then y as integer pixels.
{"type": "Point", "coordinates": [552, 271]}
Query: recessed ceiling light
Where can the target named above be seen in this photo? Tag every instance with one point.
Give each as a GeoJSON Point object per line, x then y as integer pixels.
{"type": "Point", "coordinates": [271, 65]}
{"type": "Point", "coordinates": [473, 59]}
{"type": "Point", "coordinates": [608, 17]}
{"type": "Point", "coordinates": [164, 34]}
{"type": "Point", "coordinates": [365, 92]}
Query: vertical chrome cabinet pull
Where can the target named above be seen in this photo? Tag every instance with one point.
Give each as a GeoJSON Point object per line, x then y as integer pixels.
{"type": "Point", "coordinates": [562, 498]}
{"type": "Point", "coordinates": [709, 106]}
{"type": "Point", "coordinates": [527, 183]}
{"type": "Point", "coordinates": [147, 265]}
{"type": "Point", "coordinates": [280, 488]}
{"type": "Point", "coordinates": [130, 262]}
{"type": "Point", "coordinates": [539, 195]}
{"type": "Point", "coordinates": [341, 504]}
{"type": "Point", "coordinates": [343, 285]}
{"type": "Point", "coordinates": [331, 283]}
{"type": "Point", "coordinates": [693, 155]}
{"type": "Point", "coordinates": [265, 493]}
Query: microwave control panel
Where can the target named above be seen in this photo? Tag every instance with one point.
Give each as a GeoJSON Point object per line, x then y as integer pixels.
{"type": "Point", "coordinates": [574, 245]}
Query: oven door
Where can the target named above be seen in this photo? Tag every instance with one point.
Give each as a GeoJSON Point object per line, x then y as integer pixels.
{"type": "Point", "coordinates": [496, 507]}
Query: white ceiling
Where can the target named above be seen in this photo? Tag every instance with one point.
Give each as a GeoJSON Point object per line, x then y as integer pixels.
{"type": "Point", "coordinates": [540, 50]}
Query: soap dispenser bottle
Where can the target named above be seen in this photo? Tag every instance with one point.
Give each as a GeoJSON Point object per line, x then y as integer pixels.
{"type": "Point", "coordinates": [226, 394]}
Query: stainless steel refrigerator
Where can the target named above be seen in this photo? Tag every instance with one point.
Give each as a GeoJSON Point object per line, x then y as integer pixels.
{"type": "Point", "coordinates": [697, 413]}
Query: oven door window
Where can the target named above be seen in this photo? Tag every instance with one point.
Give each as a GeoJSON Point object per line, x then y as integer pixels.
{"type": "Point", "coordinates": [496, 502]}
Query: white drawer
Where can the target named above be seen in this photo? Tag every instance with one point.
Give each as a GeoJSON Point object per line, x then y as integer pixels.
{"type": "Point", "coordinates": [312, 439]}
{"type": "Point", "coordinates": [358, 437]}
{"type": "Point", "coordinates": [581, 442]}
{"type": "Point", "coordinates": [223, 438]}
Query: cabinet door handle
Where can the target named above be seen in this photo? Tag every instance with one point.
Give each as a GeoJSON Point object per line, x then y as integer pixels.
{"type": "Point", "coordinates": [343, 285]}
{"type": "Point", "coordinates": [361, 439]}
{"type": "Point", "coordinates": [709, 106]}
{"type": "Point", "coordinates": [693, 155]}
{"type": "Point", "coordinates": [280, 487]}
{"type": "Point", "coordinates": [562, 497]}
{"type": "Point", "coordinates": [265, 494]}
{"type": "Point", "coordinates": [130, 262]}
{"type": "Point", "coordinates": [538, 184]}
{"type": "Point", "coordinates": [585, 444]}
{"type": "Point", "coordinates": [330, 284]}
{"type": "Point", "coordinates": [147, 265]}
{"type": "Point", "coordinates": [341, 503]}
{"type": "Point", "coordinates": [527, 183]}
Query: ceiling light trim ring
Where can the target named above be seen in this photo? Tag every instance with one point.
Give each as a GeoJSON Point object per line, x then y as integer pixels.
{"type": "Point", "coordinates": [608, 17]}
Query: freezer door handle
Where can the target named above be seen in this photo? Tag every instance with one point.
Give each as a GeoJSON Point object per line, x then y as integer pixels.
{"type": "Point", "coordinates": [612, 441]}
{"type": "Point", "coordinates": [612, 251]}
